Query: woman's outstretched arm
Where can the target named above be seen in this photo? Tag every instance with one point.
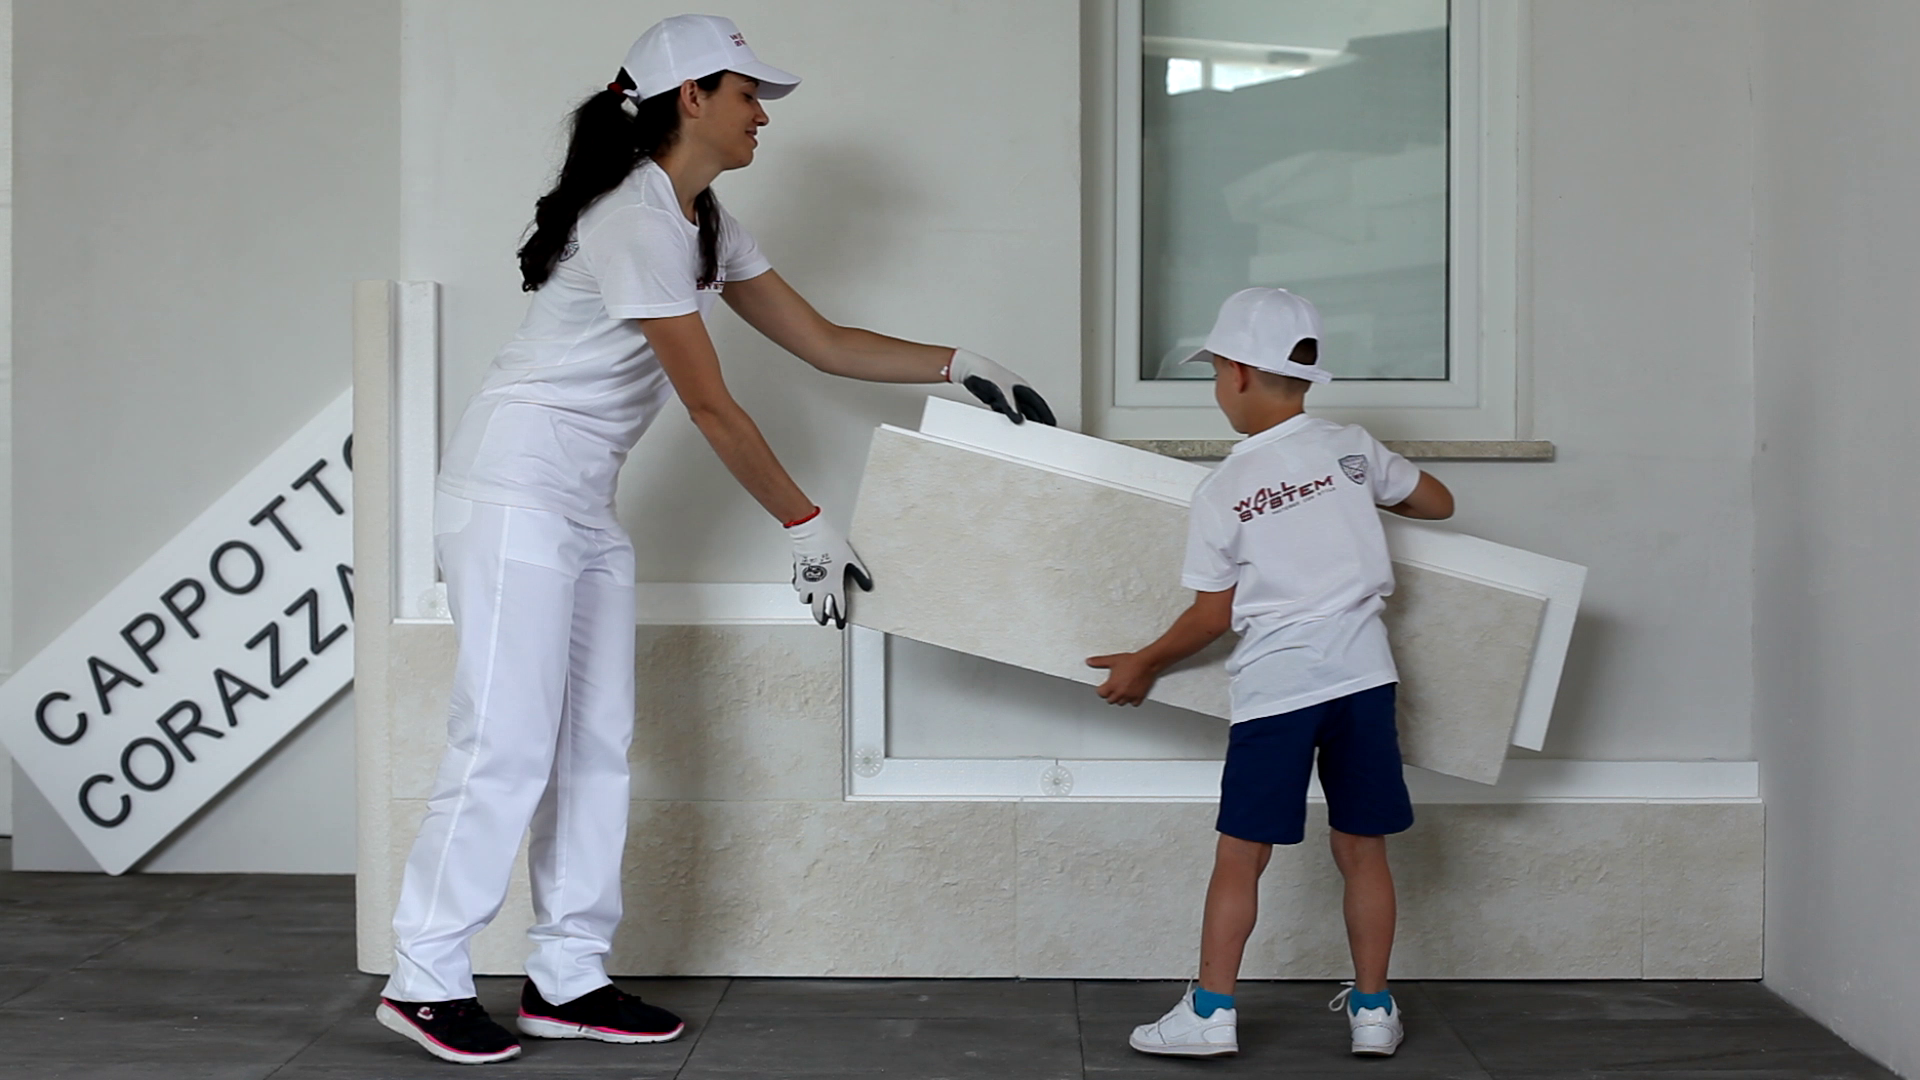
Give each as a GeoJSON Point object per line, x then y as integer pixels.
{"type": "Point", "coordinates": [686, 354]}
{"type": "Point", "coordinates": [771, 306]}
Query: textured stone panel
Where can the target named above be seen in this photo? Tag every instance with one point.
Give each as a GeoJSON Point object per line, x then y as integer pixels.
{"type": "Point", "coordinates": [1705, 890]}
{"type": "Point", "coordinates": [819, 888]}
{"type": "Point", "coordinates": [1053, 569]}
{"type": "Point", "coordinates": [788, 888]}
{"type": "Point", "coordinates": [1464, 649]}
{"type": "Point", "coordinates": [1114, 890]}
{"type": "Point", "coordinates": [721, 712]}
{"type": "Point", "coordinates": [738, 712]}
{"type": "Point", "coordinates": [419, 681]}
{"type": "Point", "coordinates": [1495, 891]}
{"type": "Point", "coordinates": [1059, 568]}
{"type": "Point", "coordinates": [1521, 891]}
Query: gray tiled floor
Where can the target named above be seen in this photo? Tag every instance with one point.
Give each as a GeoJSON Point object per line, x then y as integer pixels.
{"type": "Point", "coordinates": [242, 978]}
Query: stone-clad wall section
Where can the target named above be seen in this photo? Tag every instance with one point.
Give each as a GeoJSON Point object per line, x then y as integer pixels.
{"type": "Point", "coordinates": [744, 859]}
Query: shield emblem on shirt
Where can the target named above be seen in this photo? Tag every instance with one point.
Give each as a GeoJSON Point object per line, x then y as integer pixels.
{"type": "Point", "coordinates": [1355, 466]}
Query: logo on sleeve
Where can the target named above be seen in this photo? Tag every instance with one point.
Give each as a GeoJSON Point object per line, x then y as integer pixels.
{"type": "Point", "coordinates": [571, 249]}
{"type": "Point", "coordinates": [1355, 466]}
{"type": "Point", "coordinates": [739, 40]}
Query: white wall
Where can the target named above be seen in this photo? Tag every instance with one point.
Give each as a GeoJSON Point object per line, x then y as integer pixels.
{"type": "Point", "coordinates": [6, 388]}
{"type": "Point", "coordinates": [1639, 345]}
{"type": "Point", "coordinates": [923, 181]}
{"type": "Point", "coordinates": [1838, 601]}
{"type": "Point", "coordinates": [201, 182]}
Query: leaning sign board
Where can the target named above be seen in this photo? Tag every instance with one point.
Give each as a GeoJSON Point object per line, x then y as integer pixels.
{"type": "Point", "coordinates": [1074, 546]}
{"type": "Point", "coordinates": [203, 660]}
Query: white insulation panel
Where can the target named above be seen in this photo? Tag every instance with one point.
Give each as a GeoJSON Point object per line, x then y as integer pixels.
{"type": "Point", "coordinates": [1039, 547]}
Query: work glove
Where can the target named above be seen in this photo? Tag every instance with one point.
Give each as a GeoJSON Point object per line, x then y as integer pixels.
{"type": "Point", "coordinates": [822, 563]}
{"type": "Point", "coordinates": [1003, 391]}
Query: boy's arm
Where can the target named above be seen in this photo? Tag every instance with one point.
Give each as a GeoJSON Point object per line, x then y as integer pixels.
{"type": "Point", "coordinates": [1130, 676]}
{"type": "Point", "coordinates": [1430, 501]}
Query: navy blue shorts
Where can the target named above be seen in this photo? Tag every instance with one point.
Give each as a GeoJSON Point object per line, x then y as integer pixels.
{"type": "Point", "coordinates": [1263, 789]}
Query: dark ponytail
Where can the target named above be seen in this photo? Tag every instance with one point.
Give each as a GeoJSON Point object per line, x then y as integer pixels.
{"type": "Point", "coordinates": [605, 146]}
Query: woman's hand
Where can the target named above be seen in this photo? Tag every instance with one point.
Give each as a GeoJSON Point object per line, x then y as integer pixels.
{"type": "Point", "coordinates": [823, 562]}
{"type": "Point", "coordinates": [1130, 677]}
{"type": "Point", "coordinates": [1002, 391]}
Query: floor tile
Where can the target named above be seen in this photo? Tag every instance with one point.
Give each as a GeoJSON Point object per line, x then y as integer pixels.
{"type": "Point", "coordinates": [170, 1020]}
{"type": "Point", "coordinates": [1556, 1001]}
{"type": "Point", "coordinates": [1587, 1047]}
{"type": "Point", "coordinates": [52, 945]}
{"type": "Point", "coordinates": [41, 1044]}
{"type": "Point", "coordinates": [769, 999]}
{"type": "Point", "coordinates": [935, 1048]}
{"type": "Point", "coordinates": [242, 943]}
{"type": "Point", "coordinates": [17, 979]}
{"type": "Point", "coordinates": [1838, 1069]}
{"type": "Point", "coordinates": [146, 1070]}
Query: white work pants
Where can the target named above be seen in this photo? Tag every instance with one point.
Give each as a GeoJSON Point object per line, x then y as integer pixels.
{"type": "Point", "coordinates": [539, 723]}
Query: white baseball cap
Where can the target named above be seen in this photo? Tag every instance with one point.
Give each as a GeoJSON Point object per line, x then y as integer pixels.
{"type": "Point", "coordinates": [1259, 328]}
{"type": "Point", "coordinates": [694, 47]}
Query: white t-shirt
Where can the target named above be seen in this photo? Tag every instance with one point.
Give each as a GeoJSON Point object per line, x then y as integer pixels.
{"type": "Point", "coordinates": [572, 393]}
{"type": "Point", "coordinates": [1288, 521]}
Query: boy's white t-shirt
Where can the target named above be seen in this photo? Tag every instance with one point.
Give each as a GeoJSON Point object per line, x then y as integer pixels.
{"type": "Point", "coordinates": [1288, 520]}
{"type": "Point", "coordinates": [570, 395]}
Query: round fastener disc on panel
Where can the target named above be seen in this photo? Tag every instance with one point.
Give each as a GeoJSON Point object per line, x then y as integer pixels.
{"type": "Point", "coordinates": [868, 761]}
{"type": "Point", "coordinates": [1057, 780]}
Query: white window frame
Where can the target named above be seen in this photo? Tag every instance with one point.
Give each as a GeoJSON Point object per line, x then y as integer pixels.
{"type": "Point", "coordinates": [1480, 400]}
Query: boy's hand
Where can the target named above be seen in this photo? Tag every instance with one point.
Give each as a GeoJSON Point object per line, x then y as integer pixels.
{"type": "Point", "coordinates": [1130, 677]}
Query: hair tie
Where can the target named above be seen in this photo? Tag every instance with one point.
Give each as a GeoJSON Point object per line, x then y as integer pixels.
{"type": "Point", "coordinates": [616, 87]}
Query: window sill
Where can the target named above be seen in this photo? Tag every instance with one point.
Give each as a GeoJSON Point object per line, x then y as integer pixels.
{"type": "Point", "coordinates": [1421, 450]}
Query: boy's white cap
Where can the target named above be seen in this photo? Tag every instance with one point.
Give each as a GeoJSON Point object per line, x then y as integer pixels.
{"type": "Point", "coordinates": [1259, 328]}
{"type": "Point", "coordinates": [694, 47]}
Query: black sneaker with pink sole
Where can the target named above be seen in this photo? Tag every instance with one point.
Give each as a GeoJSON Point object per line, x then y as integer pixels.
{"type": "Point", "coordinates": [608, 1014]}
{"type": "Point", "coordinates": [459, 1031]}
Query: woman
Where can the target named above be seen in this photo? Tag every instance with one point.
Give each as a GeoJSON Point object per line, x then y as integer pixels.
{"type": "Point", "coordinates": [628, 253]}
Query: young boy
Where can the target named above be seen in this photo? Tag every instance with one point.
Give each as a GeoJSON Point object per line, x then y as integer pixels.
{"type": "Point", "coordinates": [1285, 546]}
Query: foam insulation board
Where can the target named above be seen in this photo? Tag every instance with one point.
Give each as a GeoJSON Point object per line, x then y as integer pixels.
{"type": "Point", "coordinates": [1039, 547]}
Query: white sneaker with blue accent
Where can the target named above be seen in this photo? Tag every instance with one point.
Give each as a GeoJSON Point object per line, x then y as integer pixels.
{"type": "Point", "coordinates": [1185, 1033]}
{"type": "Point", "coordinates": [1376, 1032]}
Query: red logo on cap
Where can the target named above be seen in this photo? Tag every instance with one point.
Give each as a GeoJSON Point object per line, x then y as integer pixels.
{"type": "Point", "coordinates": [740, 40]}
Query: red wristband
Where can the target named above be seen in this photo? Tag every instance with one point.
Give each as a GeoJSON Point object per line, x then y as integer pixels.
{"type": "Point", "coordinates": [801, 520]}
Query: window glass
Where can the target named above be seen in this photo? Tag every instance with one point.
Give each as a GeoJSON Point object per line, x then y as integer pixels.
{"type": "Point", "coordinates": [1303, 144]}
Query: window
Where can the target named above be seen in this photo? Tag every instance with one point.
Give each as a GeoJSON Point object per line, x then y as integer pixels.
{"type": "Point", "coordinates": [1360, 152]}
